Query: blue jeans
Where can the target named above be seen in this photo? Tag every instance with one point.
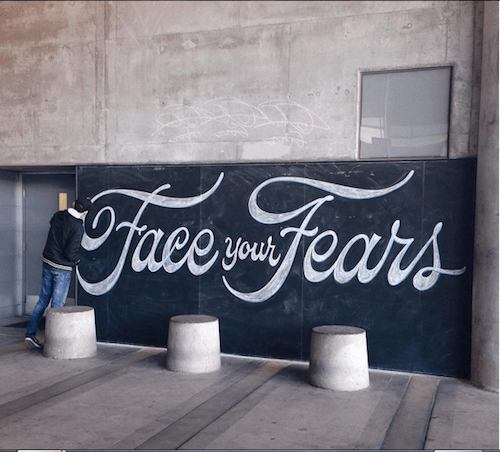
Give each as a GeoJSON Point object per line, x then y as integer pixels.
{"type": "Point", "coordinates": [55, 285]}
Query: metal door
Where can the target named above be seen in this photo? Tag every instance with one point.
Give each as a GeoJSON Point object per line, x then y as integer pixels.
{"type": "Point", "coordinates": [43, 194]}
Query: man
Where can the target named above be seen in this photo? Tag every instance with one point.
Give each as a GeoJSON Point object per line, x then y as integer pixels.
{"type": "Point", "coordinates": [60, 256]}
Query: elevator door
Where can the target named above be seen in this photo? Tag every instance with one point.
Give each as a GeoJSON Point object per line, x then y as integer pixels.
{"type": "Point", "coordinates": [44, 194]}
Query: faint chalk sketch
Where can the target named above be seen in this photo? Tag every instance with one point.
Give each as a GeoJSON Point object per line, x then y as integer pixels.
{"type": "Point", "coordinates": [285, 122]}
{"type": "Point", "coordinates": [140, 18]}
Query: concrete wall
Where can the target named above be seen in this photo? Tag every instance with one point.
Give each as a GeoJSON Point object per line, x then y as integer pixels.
{"type": "Point", "coordinates": [97, 82]}
{"type": "Point", "coordinates": [485, 291]}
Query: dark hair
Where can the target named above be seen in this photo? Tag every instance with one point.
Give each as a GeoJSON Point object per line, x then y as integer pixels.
{"type": "Point", "coordinates": [83, 203]}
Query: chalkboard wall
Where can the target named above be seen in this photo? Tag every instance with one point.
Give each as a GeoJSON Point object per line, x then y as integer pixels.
{"type": "Point", "coordinates": [273, 250]}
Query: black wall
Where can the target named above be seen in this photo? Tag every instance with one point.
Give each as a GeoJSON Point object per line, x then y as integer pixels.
{"type": "Point", "coordinates": [408, 328]}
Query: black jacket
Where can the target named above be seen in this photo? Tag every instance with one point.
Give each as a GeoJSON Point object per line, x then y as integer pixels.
{"type": "Point", "coordinates": [63, 241]}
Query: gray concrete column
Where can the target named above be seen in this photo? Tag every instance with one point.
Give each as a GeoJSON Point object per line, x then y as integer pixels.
{"type": "Point", "coordinates": [485, 363]}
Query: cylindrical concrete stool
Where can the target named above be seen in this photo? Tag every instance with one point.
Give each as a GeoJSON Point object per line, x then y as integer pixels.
{"type": "Point", "coordinates": [70, 333]}
{"type": "Point", "coordinates": [193, 344]}
{"type": "Point", "coordinates": [339, 358]}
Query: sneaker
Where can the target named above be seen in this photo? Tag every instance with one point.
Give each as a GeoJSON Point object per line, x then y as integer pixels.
{"type": "Point", "coordinates": [33, 341]}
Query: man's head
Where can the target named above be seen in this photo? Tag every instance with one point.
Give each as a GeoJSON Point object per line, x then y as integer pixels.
{"type": "Point", "coordinates": [83, 204]}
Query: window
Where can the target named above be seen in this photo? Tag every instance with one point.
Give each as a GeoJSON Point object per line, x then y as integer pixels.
{"type": "Point", "coordinates": [405, 114]}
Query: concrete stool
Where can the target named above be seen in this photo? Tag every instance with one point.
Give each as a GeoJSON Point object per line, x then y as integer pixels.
{"type": "Point", "coordinates": [193, 344]}
{"type": "Point", "coordinates": [70, 333]}
{"type": "Point", "coordinates": [339, 358]}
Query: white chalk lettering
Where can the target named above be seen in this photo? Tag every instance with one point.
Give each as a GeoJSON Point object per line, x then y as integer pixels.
{"type": "Point", "coordinates": [395, 274]}
{"type": "Point", "coordinates": [104, 286]}
{"type": "Point", "coordinates": [242, 250]}
{"type": "Point", "coordinates": [199, 256]}
{"type": "Point", "coordinates": [284, 269]}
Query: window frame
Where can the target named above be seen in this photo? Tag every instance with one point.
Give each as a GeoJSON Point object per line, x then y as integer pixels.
{"type": "Point", "coordinates": [363, 72]}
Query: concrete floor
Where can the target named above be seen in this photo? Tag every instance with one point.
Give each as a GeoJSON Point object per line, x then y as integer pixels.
{"type": "Point", "coordinates": [124, 398]}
